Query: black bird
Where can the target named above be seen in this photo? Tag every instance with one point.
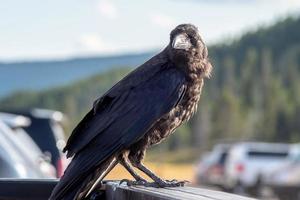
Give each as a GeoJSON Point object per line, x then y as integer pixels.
{"type": "Point", "coordinates": [139, 111]}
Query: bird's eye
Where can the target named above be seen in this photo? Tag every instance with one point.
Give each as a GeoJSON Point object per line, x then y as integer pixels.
{"type": "Point", "coordinates": [192, 39]}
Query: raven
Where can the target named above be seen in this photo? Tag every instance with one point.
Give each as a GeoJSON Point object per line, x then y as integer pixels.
{"type": "Point", "coordinates": [139, 111]}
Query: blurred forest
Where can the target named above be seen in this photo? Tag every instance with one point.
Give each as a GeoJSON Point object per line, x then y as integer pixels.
{"type": "Point", "coordinates": [253, 94]}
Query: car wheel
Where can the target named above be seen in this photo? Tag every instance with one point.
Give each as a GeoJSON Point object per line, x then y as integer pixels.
{"type": "Point", "coordinates": [287, 195]}
{"type": "Point", "coordinates": [239, 189]}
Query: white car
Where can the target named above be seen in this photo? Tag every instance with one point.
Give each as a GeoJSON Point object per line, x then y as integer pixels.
{"type": "Point", "coordinates": [285, 179]}
{"type": "Point", "coordinates": [249, 162]}
{"type": "Point", "coordinates": [13, 165]}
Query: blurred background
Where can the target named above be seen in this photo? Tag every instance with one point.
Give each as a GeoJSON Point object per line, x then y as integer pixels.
{"type": "Point", "coordinates": [57, 57]}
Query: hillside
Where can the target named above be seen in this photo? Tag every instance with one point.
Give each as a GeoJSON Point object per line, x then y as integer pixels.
{"type": "Point", "coordinates": [39, 75]}
{"type": "Point", "coordinates": [253, 93]}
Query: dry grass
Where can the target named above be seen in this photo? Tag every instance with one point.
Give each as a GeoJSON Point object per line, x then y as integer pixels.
{"type": "Point", "coordinates": [182, 156]}
{"type": "Point", "coordinates": [164, 170]}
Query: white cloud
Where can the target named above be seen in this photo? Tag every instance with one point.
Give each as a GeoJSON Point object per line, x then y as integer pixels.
{"type": "Point", "coordinates": [284, 6]}
{"type": "Point", "coordinates": [108, 9]}
{"type": "Point", "coordinates": [290, 4]}
{"type": "Point", "coordinates": [93, 42]}
{"type": "Point", "coordinates": [162, 20]}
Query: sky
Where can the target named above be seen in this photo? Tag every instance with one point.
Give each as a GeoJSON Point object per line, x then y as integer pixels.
{"type": "Point", "coordinates": [59, 29]}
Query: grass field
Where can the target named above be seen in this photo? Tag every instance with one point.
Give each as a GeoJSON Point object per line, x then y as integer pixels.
{"type": "Point", "coordinates": [164, 170]}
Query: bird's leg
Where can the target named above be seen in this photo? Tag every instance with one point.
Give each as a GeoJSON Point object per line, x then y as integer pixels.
{"type": "Point", "coordinates": [126, 165]}
{"type": "Point", "coordinates": [158, 182]}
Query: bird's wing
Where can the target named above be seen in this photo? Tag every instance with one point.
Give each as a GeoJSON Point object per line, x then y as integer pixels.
{"type": "Point", "coordinates": [124, 115]}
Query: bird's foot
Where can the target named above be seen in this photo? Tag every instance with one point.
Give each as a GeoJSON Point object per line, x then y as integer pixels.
{"type": "Point", "coordinates": [139, 183]}
{"type": "Point", "coordinates": [131, 183]}
{"type": "Point", "coordinates": [158, 184]}
{"type": "Point", "coordinates": [171, 183]}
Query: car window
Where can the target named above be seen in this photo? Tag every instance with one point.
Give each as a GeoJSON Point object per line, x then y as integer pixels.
{"type": "Point", "coordinates": [223, 158]}
{"type": "Point", "coordinates": [265, 154]}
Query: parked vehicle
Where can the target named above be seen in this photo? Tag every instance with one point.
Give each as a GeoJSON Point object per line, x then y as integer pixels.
{"type": "Point", "coordinates": [249, 162]}
{"type": "Point", "coordinates": [285, 179]}
{"type": "Point", "coordinates": [12, 164]}
{"type": "Point", "coordinates": [15, 163]}
{"type": "Point", "coordinates": [46, 130]}
{"type": "Point", "coordinates": [210, 170]}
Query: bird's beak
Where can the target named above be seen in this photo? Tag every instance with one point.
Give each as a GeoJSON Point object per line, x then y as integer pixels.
{"type": "Point", "coordinates": [181, 41]}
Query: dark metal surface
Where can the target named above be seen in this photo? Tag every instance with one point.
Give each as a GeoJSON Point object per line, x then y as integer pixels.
{"type": "Point", "coordinates": [26, 189]}
{"type": "Point", "coordinates": [40, 189]}
{"type": "Point", "coordinates": [114, 191]}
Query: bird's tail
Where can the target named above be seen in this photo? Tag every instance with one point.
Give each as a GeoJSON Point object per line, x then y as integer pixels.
{"type": "Point", "coordinates": [81, 185]}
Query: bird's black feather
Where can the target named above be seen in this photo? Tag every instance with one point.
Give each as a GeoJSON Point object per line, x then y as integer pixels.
{"type": "Point", "coordinates": [128, 118]}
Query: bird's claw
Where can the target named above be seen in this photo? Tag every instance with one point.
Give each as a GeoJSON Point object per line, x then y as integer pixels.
{"type": "Point", "coordinates": [173, 180]}
{"type": "Point", "coordinates": [132, 183]}
{"type": "Point", "coordinates": [172, 183]}
{"type": "Point", "coordinates": [159, 184]}
{"type": "Point", "coordinates": [176, 181]}
{"type": "Point", "coordinates": [167, 183]}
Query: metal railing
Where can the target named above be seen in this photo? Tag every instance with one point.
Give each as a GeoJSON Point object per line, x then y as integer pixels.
{"type": "Point", "coordinates": [39, 189]}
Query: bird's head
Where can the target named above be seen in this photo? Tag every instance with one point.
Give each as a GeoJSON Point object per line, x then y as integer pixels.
{"type": "Point", "coordinates": [187, 47]}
